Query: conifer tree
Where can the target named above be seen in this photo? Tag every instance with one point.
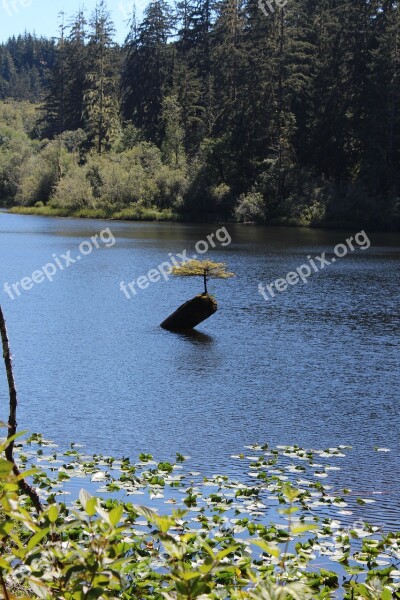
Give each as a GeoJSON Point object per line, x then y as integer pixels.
{"type": "Point", "coordinates": [101, 95]}
{"type": "Point", "coordinates": [76, 67]}
{"type": "Point", "coordinates": [148, 69]}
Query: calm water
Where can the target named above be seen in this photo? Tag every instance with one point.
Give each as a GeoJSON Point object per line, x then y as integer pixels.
{"type": "Point", "coordinates": [318, 366]}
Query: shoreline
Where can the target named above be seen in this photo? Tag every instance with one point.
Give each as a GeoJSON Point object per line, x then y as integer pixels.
{"type": "Point", "coordinates": [137, 214]}
{"type": "Point", "coordinates": [154, 215]}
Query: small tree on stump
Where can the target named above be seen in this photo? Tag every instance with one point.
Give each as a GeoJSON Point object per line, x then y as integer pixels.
{"type": "Point", "coordinates": [203, 268]}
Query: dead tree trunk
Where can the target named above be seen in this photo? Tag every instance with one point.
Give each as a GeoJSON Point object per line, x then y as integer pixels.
{"type": "Point", "coordinates": [12, 419]}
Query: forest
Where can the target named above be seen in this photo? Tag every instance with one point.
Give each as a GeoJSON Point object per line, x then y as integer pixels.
{"type": "Point", "coordinates": [227, 109]}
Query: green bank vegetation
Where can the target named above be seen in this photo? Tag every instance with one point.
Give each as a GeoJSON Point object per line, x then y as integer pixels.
{"type": "Point", "coordinates": [52, 178]}
{"type": "Point", "coordinates": [209, 110]}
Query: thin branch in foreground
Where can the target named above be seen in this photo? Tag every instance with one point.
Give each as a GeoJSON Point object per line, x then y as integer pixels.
{"type": "Point", "coordinates": [12, 420]}
{"type": "Point", "coordinates": [3, 587]}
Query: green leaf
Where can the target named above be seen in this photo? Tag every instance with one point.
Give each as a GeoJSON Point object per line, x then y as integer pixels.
{"type": "Point", "coordinates": [35, 539]}
{"type": "Point", "coordinates": [5, 468]}
{"type": "Point", "coordinates": [52, 513]}
{"type": "Point", "coordinates": [29, 473]}
{"type": "Point", "coordinates": [103, 514]}
{"type": "Point", "coordinates": [209, 550]}
{"type": "Point", "coordinates": [206, 567]}
{"type": "Point", "coordinates": [163, 523]}
{"type": "Point", "coordinates": [11, 487]}
{"type": "Point", "coordinates": [304, 528]}
{"type": "Point", "coordinates": [6, 528]}
{"type": "Point", "coordinates": [188, 575]}
{"type": "Point", "coordinates": [4, 564]}
{"type": "Point", "coordinates": [40, 590]}
{"type": "Point", "coordinates": [84, 497]}
{"type": "Point", "coordinates": [290, 492]}
{"type": "Point", "coordinates": [147, 513]}
{"type": "Point", "coordinates": [91, 505]}
{"type": "Point", "coordinates": [223, 553]}
{"type": "Point", "coordinates": [289, 511]}
{"type": "Point", "coordinates": [14, 437]}
{"type": "Point", "coordinates": [116, 515]}
{"type": "Point", "coordinates": [94, 593]}
{"type": "Point", "coordinates": [268, 548]}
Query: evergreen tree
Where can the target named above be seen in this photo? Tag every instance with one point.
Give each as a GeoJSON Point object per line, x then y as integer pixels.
{"type": "Point", "coordinates": [148, 69]}
{"type": "Point", "coordinates": [55, 100]}
{"type": "Point", "coordinates": [173, 134]}
{"type": "Point", "coordinates": [76, 67]}
{"type": "Point", "coordinates": [8, 73]}
{"type": "Point", "coordinates": [284, 106]}
{"type": "Point", "coordinates": [187, 81]}
{"type": "Point", "coordinates": [101, 95]}
{"type": "Point", "coordinates": [381, 131]}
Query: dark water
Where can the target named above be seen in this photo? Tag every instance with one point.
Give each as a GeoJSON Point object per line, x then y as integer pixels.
{"type": "Point", "coordinates": [318, 366]}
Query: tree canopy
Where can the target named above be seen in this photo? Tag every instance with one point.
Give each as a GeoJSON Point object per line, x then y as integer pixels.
{"type": "Point", "coordinates": [207, 269]}
{"type": "Point", "coordinates": [291, 117]}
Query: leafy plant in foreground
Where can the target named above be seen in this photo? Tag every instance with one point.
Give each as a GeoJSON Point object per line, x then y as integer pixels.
{"type": "Point", "coordinates": [214, 548]}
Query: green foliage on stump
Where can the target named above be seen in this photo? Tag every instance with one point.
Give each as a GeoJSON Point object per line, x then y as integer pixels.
{"type": "Point", "coordinates": [197, 268]}
{"type": "Point", "coordinates": [203, 268]}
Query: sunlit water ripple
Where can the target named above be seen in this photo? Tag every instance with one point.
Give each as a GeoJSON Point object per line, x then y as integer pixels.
{"type": "Point", "coordinates": [317, 366]}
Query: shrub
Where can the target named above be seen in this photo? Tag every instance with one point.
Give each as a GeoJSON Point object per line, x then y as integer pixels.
{"type": "Point", "coordinates": [15, 151]}
{"type": "Point", "coordinates": [250, 208]}
{"type": "Point", "coordinates": [171, 187]}
{"type": "Point", "coordinates": [118, 182]}
{"type": "Point", "coordinates": [129, 137]}
{"type": "Point", "coordinates": [41, 173]}
{"type": "Point", "coordinates": [220, 193]}
{"type": "Point", "coordinates": [73, 191]}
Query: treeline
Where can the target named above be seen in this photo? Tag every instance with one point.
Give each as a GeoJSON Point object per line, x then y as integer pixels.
{"type": "Point", "coordinates": [26, 63]}
{"type": "Point", "coordinates": [227, 107]}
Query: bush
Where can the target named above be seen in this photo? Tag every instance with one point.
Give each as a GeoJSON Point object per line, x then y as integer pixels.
{"type": "Point", "coordinates": [129, 137]}
{"type": "Point", "coordinates": [41, 173]}
{"type": "Point", "coordinates": [73, 191]}
{"type": "Point", "coordinates": [119, 181]}
{"type": "Point", "coordinates": [250, 208]}
{"type": "Point", "coordinates": [220, 192]}
{"type": "Point", "coordinates": [171, 187]}
{"type": "Point", "coordinates": [15, 151]}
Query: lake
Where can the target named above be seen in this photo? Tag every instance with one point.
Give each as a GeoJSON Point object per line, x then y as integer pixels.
{"type": "Point", "coordinates": [317, 365]}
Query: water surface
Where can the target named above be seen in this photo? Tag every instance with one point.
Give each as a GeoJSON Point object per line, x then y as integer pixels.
{"type": "Point", "coordinates": [317, 366]}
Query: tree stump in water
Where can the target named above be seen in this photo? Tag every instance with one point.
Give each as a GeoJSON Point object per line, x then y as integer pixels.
{"type": "Point", "coordinates": [191, 314]}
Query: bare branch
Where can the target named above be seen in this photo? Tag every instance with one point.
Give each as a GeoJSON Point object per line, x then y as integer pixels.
{"type": "Point", "coordinates": [12, 419]}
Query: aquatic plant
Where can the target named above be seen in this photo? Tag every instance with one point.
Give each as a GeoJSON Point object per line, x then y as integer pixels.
{"type": "Point", "coordinates": [215, 538]}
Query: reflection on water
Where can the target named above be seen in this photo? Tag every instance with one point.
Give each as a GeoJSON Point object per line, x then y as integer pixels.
{"type": "Point", "coordinates": [318, 366]}
{"type": "Point", "coordinates": [195, 336]}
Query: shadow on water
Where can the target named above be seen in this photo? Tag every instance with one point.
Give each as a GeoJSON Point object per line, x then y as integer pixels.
{"type": "Point", "coordinates": [194, 336]}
